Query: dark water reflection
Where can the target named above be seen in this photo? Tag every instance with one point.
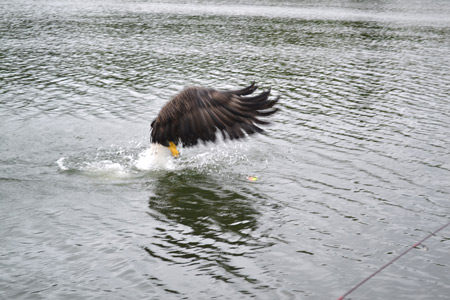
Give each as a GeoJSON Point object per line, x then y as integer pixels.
{"type": "Point", "coordinates": [205, 225]}
{"type": "Point", "coordinates": [197, 201]}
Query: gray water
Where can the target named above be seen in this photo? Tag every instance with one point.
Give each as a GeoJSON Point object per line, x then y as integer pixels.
{"type": "Point", "coordinates": [353, 170]}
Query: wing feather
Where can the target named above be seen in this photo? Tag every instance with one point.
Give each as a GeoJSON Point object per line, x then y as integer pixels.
{"type": "Point", "coordinates": [198, 113]}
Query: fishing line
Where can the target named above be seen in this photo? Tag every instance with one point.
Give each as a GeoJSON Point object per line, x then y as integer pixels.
{"type": "Point", "coordinates": [393, 260]}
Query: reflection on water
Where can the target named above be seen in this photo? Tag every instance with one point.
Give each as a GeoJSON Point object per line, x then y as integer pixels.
{"type": "Point", "coordinates": [203, 223]}
{"type": "Point", "coordinates": [198, 202]}
{"type": "Point", "coordinates": [354, 167]}
{"type": "Point", "coordinates": [207, 229]}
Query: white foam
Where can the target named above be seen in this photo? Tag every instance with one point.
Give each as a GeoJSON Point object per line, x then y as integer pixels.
{"type": "Point", "coordinates": [117, 162]}
{"type": "Point", "coordinates": [61, 165]}
{"type": "Point", "coordinates": [104, 166]}
{"type": "Point", "coordinates": [105, 169]}
{"type": "Point", "coordinates": [157, 157]}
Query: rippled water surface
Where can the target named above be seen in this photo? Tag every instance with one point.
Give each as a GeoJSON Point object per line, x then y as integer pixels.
{"type": "Point", "coordinates": [353, 170]}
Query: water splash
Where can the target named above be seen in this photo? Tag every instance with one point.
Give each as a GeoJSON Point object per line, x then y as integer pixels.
{"type": "Point", "coordinates": [216, 158]}
{"type": "Point", "coordinates": [112, 162]}
{"type": "Point", "coordinates": [101, 168]}
{"type": "Point", "coordinates": [157, 157]}
{"type": "Point", "coordinates": [134, 160]}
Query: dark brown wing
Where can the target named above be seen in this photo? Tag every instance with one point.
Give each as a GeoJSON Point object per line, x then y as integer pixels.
{"type": "Point", "coordinates": [197, 113]}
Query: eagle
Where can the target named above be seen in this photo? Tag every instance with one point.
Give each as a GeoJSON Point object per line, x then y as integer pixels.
{"type": "Point", "coordinates": [198, 113]}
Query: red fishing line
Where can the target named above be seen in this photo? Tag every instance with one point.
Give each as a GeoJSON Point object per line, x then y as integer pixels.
{"type": "Point", "coordinates": [393, 260]}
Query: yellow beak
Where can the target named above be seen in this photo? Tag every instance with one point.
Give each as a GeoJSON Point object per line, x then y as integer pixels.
{"type": "Point", "coordinates": [173, 150]}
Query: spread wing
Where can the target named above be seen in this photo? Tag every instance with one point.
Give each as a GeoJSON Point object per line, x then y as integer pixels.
{"type": "Point", "coordinates": [198, 113]}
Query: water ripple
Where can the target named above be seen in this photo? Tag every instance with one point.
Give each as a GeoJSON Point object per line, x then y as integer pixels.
{"type": "Point", "coordinates": [353, 168]}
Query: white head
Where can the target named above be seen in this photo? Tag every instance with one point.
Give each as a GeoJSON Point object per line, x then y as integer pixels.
{"type": "Point", "coordinates": [156, 157]}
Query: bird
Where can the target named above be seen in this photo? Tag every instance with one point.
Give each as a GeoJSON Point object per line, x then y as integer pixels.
{"type": "Point", "coordinates": [199, 113]}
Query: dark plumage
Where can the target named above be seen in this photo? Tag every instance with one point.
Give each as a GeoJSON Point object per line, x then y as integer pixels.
{"type": "Point", "coordinates": [197, 113]}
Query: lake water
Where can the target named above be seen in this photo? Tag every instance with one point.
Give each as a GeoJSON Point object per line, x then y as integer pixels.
{"type": "Point", "coordinates": [353, 170]}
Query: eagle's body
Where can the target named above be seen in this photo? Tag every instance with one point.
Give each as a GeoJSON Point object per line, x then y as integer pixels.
{"type": "Point", "coordinates": [197, 113]}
